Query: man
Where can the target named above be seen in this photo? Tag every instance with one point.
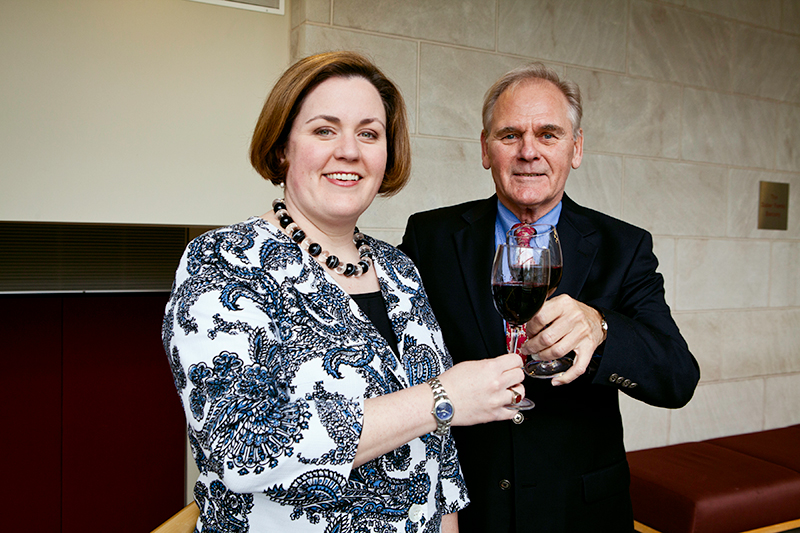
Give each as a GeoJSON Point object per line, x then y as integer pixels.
{"type": "Point", "coordinates": [563, 468]}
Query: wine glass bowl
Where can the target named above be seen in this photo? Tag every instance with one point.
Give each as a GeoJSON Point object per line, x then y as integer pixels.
{"type": "Point", "coordinates": [520, 282]}
{"type": "Point", "coordinates": [540, 236]}
{"type": "Point", "coordinates": [543, 236]}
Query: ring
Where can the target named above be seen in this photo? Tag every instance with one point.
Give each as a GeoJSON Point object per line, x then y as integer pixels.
{"type": "Point", "coordinates": [515, 396]}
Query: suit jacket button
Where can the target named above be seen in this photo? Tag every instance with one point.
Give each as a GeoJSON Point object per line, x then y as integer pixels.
{"type": "Point", "coordinates": [620, 379]}
{"type": "Point", "coordinates": [633, 385]}
{"type": "Point", "coordinates": [505, 484]}
{"type": "Point", "coordinates": [613, 378]}
{"type": "Point", "coordinates": [626, 383]}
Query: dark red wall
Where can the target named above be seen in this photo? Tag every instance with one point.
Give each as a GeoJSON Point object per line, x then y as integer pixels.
{"type": "Point", "coordinates": [94, 433]}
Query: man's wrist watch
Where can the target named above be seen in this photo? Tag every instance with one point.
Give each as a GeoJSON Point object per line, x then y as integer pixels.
{"type": "Point", "coordinates": [442, 407]}
{"type": "Point", "coordinates": [603, 325]}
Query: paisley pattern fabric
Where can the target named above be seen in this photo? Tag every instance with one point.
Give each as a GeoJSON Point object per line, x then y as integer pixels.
{"type": "Point", "coordinates": [273, 362]}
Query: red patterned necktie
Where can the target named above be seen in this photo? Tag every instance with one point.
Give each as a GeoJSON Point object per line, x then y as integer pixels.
{"type": "Point", "coordinates": [523, 233]}
{"type": "Point", "coordinates": [520, 341]}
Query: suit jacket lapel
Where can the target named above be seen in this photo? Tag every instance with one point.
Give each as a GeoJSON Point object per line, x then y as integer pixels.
{"type": "Point", "coordinates": [474, 244]}
{"type": "Point", "coordinates": [578, 247]}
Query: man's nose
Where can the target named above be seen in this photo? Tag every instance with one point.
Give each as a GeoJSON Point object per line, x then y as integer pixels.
{"type": "Point", "coordinates": [528, 150]}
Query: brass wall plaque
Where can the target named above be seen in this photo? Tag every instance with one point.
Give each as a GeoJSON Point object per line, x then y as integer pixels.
{"type": "Point", "coordinates": [773, 205]}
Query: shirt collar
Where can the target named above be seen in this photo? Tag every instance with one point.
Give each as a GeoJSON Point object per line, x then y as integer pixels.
{"type": "Point", "coordinates": [505, 219]}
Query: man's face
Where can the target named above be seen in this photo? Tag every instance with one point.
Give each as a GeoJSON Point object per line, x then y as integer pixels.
{"type": "Point", "coordinates": [530, 148]}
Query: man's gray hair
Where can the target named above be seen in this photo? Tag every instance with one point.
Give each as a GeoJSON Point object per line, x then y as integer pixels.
{"type": "Point", "coordinates": [535, 71]}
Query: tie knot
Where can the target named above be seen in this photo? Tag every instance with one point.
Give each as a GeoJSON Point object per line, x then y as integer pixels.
{"type": "Point", "coordinates": [522, 233]}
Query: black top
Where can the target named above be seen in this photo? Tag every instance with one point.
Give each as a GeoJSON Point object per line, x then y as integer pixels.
{"type": "Point", "coordinates": [374, 307]}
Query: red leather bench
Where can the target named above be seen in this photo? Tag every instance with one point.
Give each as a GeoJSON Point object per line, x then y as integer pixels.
{"type": "Point", "coordinates": [727, 485]}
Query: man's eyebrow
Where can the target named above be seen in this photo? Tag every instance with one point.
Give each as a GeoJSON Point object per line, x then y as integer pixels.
{"type": "Point", "coordinates": [505, 131]}
{"type": "Point", "coordinates": [553, 128]}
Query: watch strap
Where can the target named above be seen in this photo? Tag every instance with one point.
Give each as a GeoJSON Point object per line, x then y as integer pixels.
{"type": "Point", "coordinates": [440, 402]}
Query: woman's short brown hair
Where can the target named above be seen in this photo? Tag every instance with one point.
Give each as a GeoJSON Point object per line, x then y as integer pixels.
{"type": "Point", "coordinates": [284, 101]}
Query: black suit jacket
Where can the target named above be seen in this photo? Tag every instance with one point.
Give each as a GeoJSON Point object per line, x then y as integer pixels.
{"type": "Point", "coordinates": [564, 468]}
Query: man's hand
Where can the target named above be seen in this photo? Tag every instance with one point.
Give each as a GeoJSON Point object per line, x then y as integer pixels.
{"type": "Point", "coordinates": [561, 326]}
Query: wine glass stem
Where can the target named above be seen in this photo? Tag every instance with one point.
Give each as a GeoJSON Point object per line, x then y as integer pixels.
{"type": "Point", "coordinates": [513, 339]}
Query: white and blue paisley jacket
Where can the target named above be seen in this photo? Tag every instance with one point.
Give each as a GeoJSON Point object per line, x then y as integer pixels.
{"type": "Point", "coordinates": [273, 361]}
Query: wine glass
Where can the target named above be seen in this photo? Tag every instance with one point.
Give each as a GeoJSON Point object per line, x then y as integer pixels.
{"type": "Point", "coordinates": [520, 277]}
{"type": "Point", "coordinates": [543, 236]}
{"type": "Point", "coordinates": [540, 236]}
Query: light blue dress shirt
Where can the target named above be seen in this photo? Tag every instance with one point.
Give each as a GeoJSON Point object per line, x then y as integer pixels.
{"type": "Point", "coordinates": [505, 219]}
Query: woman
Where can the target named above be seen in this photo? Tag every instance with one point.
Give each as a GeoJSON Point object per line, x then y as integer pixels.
{"type": "Point", "coordinates": [305, 353]}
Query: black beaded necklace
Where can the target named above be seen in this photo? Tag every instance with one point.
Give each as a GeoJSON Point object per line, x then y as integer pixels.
{"type": "Point", "coordinates": [314, 249]}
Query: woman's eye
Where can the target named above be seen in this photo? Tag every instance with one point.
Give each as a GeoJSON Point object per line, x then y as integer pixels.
{"type": "Point", "coordinates": [369, 134]}
{"type": "Point", "coordinates": [324, 132]}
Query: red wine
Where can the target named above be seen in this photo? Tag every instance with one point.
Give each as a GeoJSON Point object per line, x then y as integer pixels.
{"type": "Point", "coordinates": [555, 276]}
{"type": "Point", "coordinates": [517, 303]}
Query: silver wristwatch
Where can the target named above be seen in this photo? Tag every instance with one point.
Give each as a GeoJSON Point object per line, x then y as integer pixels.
{"type": "Point", "coordinates": [603, 325]}
{"type": "Point", "coordinates": [442, 407]}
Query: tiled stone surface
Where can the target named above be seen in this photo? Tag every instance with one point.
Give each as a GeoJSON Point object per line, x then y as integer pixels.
{"type": "Point", "coordinates": [788, 157]}
{"type": "Point", "coordinates": [310, 11]}
{"type": "Point", "coordinates": [784, 280]}
{"type": "Point", "coordinates": [782, 403]}
{"type": "Point", "coordinates": [396, 57]}
{"type": "Point", "coordinates": [729, 130]}
{"type": "Point", "coordinates": [392, 236]}
{"type": "Point", "coordinates": [444, 173]}
{"type": "Point", "coordinates": [452, 83]}
{"type": "Point", "coordinates": [627, 115]}
{"type": "Point", "coordinates": [758, 12]}
{"type": "Point", "coordinates": [675, 198]}
{"type": "Point", "coordinates": [466, 22]}
{"type": "Point", "coordinates": [725, 354]}
{"type": "Point", "coordinates": [645, 426]}
{"type": "Point", "coordinates": [192, 472]}
{"type": "Point", "coordinates": [766, 64]}
{"type": "Point", "coordinates": [720, 409]}
{"type": "Point", "coordinates": [665, 253]}
{"type": "Point", "coordinates": [790, 19]}
{"type": "Point", "coordinates": [721, 274]}
{"type": "Point", "coordinates": [597, 183]}
{"type": "Point", "coordinates": [743, 199]}
{"type": "Point", "coordinates": [591, 34]}
{"type": "Point", "coordinates": [676, 45]}
{"type": "Point", "coordinates": [702, 331]}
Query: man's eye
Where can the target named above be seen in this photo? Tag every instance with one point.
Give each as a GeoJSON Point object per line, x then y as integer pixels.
{"type": "Point", "coordinates": [548, 136]}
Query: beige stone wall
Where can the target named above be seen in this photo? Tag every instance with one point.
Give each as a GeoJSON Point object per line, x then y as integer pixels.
{"type": "Point", "coordinates": [688, 105]}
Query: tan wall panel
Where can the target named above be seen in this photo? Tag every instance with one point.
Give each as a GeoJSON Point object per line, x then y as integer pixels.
{"type": "Point", "coordinates": [133, 111]}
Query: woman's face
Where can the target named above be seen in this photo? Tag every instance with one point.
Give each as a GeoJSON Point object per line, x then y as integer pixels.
{"type": "Point", "coordinates": [336, 152]}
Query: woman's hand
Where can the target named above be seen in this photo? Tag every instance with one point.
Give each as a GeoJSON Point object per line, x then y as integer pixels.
{"type": "Point", "coordinates": [479, 391]}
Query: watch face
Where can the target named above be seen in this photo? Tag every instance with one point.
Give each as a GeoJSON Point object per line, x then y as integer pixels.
{"type": "Point", "coordinates": [444, 411]}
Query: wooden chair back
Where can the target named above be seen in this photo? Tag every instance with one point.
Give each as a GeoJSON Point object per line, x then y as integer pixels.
{"type": "Point", "coordinates": [183, 521]}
